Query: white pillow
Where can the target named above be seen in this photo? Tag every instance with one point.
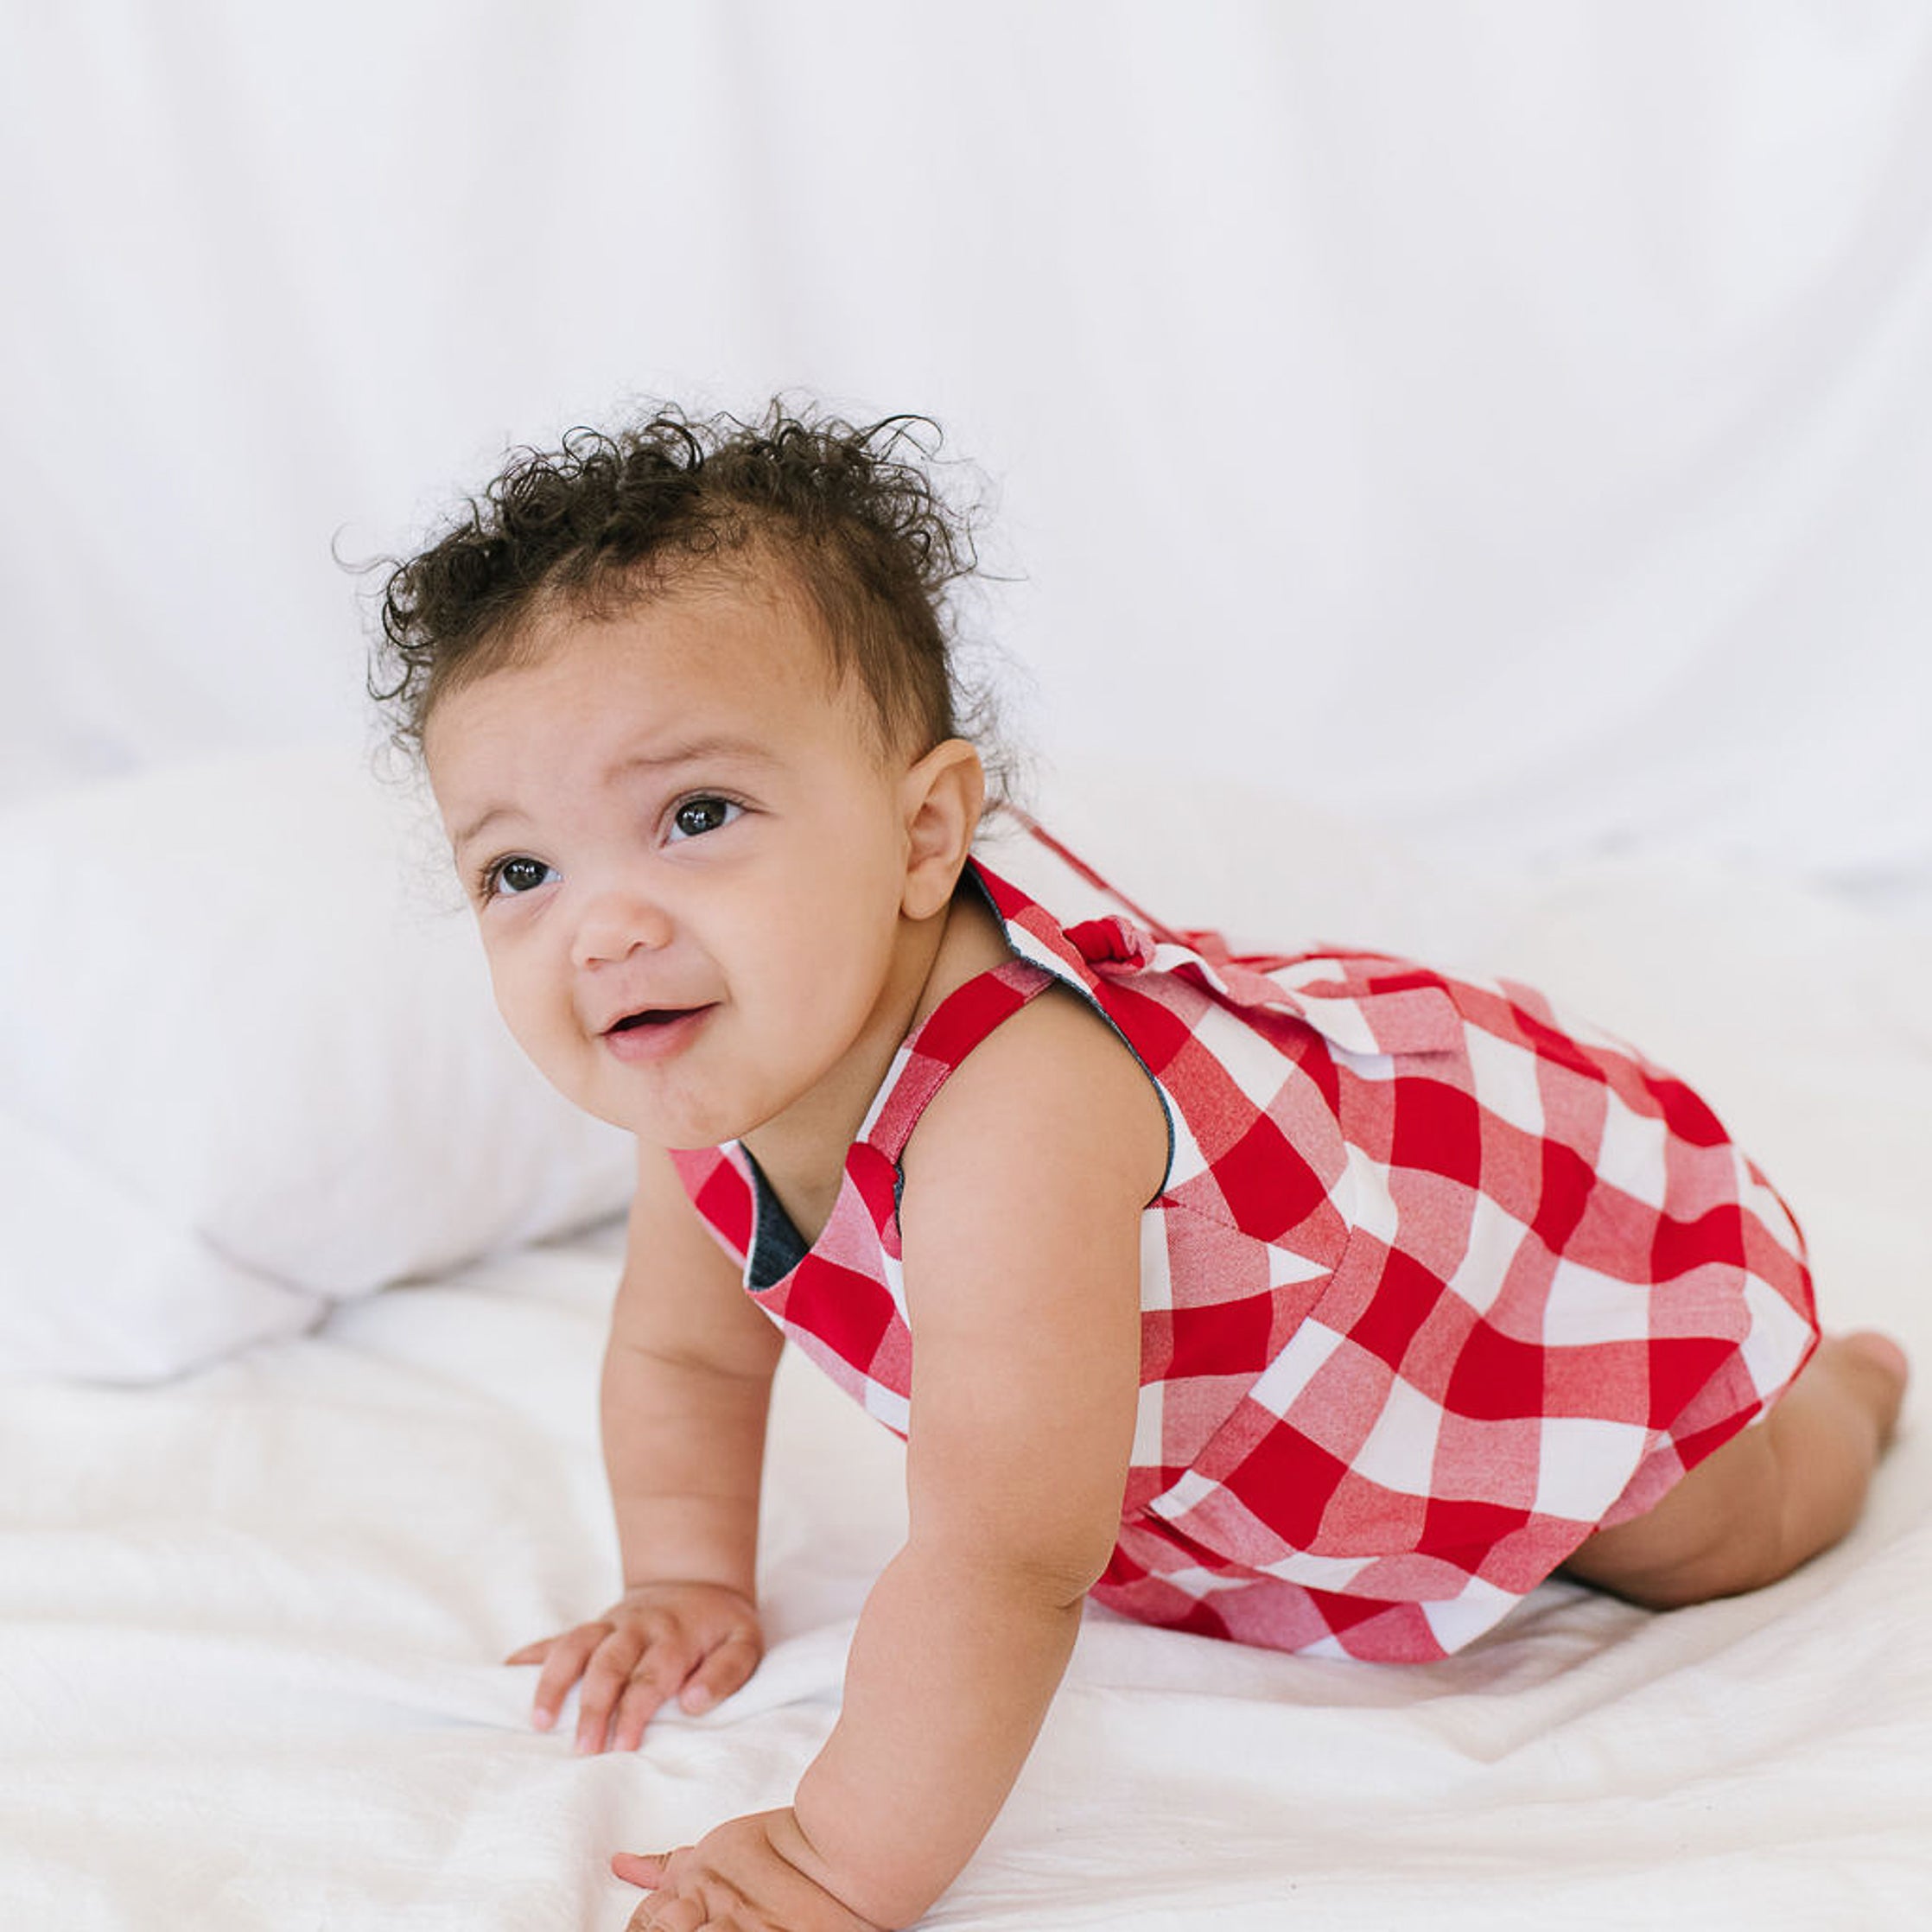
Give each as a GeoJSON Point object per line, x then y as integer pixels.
{"type": "Point", "coordinates": [249, 1065]}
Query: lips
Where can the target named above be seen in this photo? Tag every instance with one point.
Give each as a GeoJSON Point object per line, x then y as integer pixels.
{"type": "Point", "coordinates": [653, 1033]}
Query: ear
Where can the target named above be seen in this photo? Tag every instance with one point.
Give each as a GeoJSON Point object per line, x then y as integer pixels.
{"type": "Point", "coordinates": [941, 799]}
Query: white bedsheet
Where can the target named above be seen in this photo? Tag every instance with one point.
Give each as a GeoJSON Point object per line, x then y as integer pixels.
{"type": "Point", "coordinates": [250, 1621]}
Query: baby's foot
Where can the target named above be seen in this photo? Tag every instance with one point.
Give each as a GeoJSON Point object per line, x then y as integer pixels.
{"type": "Point", "coordinates": [1871, 1367]}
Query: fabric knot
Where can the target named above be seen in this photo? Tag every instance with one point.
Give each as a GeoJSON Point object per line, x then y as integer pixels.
{"type": "Point", "coordinates": [1112, 942]}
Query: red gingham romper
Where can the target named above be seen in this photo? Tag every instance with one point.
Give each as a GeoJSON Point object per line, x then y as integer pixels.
{"type": "Point", "coordinates": [1436, 1284]}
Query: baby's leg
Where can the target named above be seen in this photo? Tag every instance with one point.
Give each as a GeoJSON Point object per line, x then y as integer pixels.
{"type": "Point", "coordinates": [1772, 1497]}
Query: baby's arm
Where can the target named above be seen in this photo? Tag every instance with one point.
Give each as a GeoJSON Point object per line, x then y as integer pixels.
{"type": "Point", "coordinates": [1020, 1220]}
{"type": "Point", "coordinates": [1026, 1315]}
{"type": "Point", "coordinates": [686, 1386]}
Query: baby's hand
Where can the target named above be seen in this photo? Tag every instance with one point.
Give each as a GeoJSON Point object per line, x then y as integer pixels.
{"type": "Point", "coordinates": [695, 1642]}
{"type": "Point", "coordinates": [748, 1875]}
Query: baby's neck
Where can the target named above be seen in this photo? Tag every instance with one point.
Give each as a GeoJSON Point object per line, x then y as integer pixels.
{"type": "Point", "coordinates": [801, 1152]}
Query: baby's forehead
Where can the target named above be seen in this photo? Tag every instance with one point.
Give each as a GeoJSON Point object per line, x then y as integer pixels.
{"type": "Point", "coordinates": [740, 596]}
{"type": "Point", "coordinates": [759, 611]}
{"type": "Point", "coordinates": [720, 644]}
{"type": "Point", "coordinates": [739, 633]}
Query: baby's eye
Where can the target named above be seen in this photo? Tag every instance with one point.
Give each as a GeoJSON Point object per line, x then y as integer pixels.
{"type": "Point", "coordinates": [696, 816]}
{"type": "Point", "coordinates": [508, 877]}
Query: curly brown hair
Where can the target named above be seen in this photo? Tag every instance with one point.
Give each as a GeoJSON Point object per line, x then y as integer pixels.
{"type": "Point", "coordinates": [849, 512]}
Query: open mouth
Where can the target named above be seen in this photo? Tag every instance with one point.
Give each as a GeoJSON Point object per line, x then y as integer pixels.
{"type": "Point", "coordinates": [654, 1033]}
{"type": "Point", "coordinates": [651, 1016]}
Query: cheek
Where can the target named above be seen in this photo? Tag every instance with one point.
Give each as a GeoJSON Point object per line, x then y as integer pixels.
{"type": "Point", "coordinates": [524, 997]}
{"type": "Point", "coordinates": [839, 950]}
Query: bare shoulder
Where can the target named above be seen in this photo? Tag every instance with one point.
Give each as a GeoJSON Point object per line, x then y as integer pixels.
{"type": "Point", "coordinates": [1053, 1095]}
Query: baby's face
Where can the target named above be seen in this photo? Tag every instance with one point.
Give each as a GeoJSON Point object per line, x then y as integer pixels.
{"type": "Point", "coordinates": [686, 857]}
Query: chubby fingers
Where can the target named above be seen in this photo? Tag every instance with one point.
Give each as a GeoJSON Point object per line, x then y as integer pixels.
{"type": "Point", "coordinates": [661, 1911]}
{"type": "Point", "coordinates": [628, 1680]}
{"type": "Point", "coordinates": [563, 1659]}
{"type": "Point", "coordinates": [604, 1656]}
{"type": "Point", "coordinates": [725, 1668]}
{"type": "Point", "coordinates": [627, 1685]}
{"type": "Point", "coordinates": [626, 1670]}
{"type": "Point", "coordinates": [641, 1868]}
{"type": "Point", "coordinates": [676, 1914]}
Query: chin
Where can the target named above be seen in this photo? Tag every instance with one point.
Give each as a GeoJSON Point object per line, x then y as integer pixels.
{"type": "Point", "coordinates": [679, 1132]}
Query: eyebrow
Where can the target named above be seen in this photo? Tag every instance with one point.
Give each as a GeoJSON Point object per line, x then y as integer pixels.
{"type": "Point", "coordinates": [739, 751]}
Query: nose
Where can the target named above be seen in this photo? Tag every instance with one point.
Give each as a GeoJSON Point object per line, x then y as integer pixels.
{"type": "Point", "coordinates": [615, 923]}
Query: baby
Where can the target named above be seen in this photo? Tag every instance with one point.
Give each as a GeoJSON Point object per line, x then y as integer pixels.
{"type": "Point", "coordinates": [1321, 1302]}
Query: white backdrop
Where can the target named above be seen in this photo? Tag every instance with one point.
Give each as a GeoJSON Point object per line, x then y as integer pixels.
{"type": "Point", "coordinates": [1508, 423]}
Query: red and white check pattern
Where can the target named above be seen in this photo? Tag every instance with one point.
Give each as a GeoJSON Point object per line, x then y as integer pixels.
{"type": "Point", "coordinates": [1437, 1285]}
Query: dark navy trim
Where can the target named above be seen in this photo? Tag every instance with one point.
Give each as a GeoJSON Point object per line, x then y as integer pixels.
{"type": "Point", "coordinates": [777, 1245]}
